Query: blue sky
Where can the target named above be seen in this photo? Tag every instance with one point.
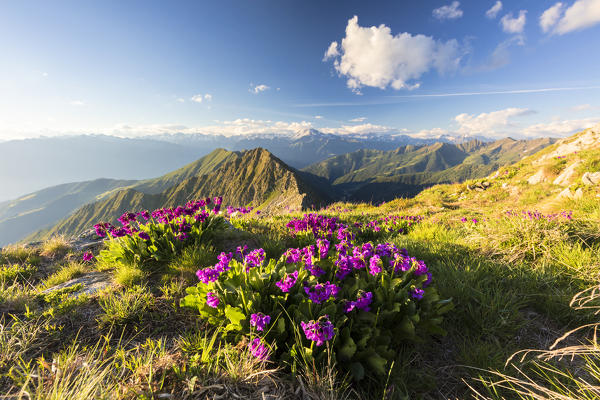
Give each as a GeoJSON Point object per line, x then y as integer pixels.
{"type": "Point", "coordinates": [518, 68]}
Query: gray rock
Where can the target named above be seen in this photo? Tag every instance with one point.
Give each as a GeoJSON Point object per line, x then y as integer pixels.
{"type": "Point", "coordinates": [92, 283]}
{"type": "Point", "coordinates": [591, 178]}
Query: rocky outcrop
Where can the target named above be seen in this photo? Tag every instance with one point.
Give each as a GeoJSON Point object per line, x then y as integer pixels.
{"type": "Point", "coordinates": [588, 139]}
{"type": "Point", "coordinates": [591, 178]}
{"type": "Point", "coordinates": [567, 176]}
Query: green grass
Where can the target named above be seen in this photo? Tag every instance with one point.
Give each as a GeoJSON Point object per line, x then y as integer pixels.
{"type": "Point", "coordinates": [127, 307]}
{"type": "Point", "coordinates": [69, 271]}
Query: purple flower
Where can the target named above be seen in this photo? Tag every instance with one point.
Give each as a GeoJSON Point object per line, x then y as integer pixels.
{"type": "Point", "coordinates": [145, 214]}
{"type": "Point", "coordinates": [258, 350]}
{"type": "Point", "coordinates": [218, 200]}
{"type": "Point", "coordinates": [88, 256]}
{"type": "Point", "coordinates": [254, 259]}
{"type": "Point", "coordinates": [323, 245]}
{"type": "Point", "coordinates": [362, 302]}
{"type": "Point", "coordinates": [321, 292]}
{"type": "Point", "coordinates": [344, 267]}
{"type": "Point", "coordinates": [293, 255]}
{"type": "Point", "coordinates": [144, 235]}
{"type": "Point", "coordinates": [417, 293]}
{"type": "Point", "coordinates": [212, 300]}
{"type": "Point", "coordinates": [288, 281]}
{"type": "Point", "coordinates": [207, 275]}
{"type": "Point", "coordinates": [260, 321]}
{"type": "Point", "coordinates": [375, 264]}
{"type": "Point", "coordinates": [318, 331]}
{"type": "Point", "coordinates": [421, 268]}
{"type": "Point", "coordinates": [463, 219]}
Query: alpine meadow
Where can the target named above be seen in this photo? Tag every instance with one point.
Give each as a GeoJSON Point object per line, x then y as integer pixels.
{"type": "Point", "coordinates": [300, 200]}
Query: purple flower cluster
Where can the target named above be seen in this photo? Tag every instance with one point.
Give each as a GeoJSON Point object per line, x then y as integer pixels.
{"type": "Point", "coordinates": [321, 226]}
{"type": "Point", "coordinates": [260, 321]}
{"type": "Point", "coordinates": [318, 331]}
{"type": "Point", "coordinates": [288, 281]}
{"type": "Point", "coordinates": [258, 349]}
{"type": "Point", "coordinates": [211, 274]}
{"type": "Point", "coordinates": [254, 259]}
{"type": "Point", "coordinates": [239, 210]}
{"type": "Point", "coordinates": [321, 292]}
{"type": "Point", "coordinates": [536, 215]}
{"type": "Point", "coordinates": [362, 302]}
{"type": "Point", "coordinates": [88, 256]}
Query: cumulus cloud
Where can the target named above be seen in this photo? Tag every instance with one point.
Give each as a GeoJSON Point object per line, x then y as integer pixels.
{"type": "Point", "coordinates": [450, 11]}
{"type": "Point", "coordinates": [197, 98]}
{"type": "Point", "coordinates": [514, 25]}
{"type": "Point", "coordinates": [430, 133]}
{"type": "Point", "coordinates": [582, 14]}
{"type": "Point", "coordinates": [359, 119]}
{"type": "Point", "coordinates": [550, 17]}
{"type": "Point", "coordinates": [373, 56]}
{"type": "Point", "coordinates": [493, 12]}
{"type": "Point", "coordinates": [256, 89]}
{"type": "Point", "coordinates": [495, 123]}
{"type": "Point", "coordinates": [560, 128]}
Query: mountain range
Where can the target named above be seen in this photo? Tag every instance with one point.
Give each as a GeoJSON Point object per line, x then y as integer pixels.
{"type": "Point", "coordinates": [33, 164]}
{"type": "Point", "coordinates": [259, 178]}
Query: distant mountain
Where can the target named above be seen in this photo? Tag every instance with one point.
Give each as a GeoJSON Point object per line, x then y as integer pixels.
{"type": "Point", "coordinates": [32, 164]}
{"type": "Point", "coordinates": [254, 177]}
{"type": "Point", "coordinates": [302, 148]}
{"type": "Point", "coordinates": [372, 175]}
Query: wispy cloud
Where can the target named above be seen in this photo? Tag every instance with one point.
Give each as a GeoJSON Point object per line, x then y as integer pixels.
{"type": "Point", "coordinates": [359, 119]}
{"type": "Point", "coordinates": [77, 103]}
{"type": "Point", "coordinates": [390, 99]}
{"type": "Point", "coordinates": [493, 12]}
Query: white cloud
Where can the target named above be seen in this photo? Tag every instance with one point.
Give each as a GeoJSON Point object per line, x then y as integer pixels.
{"type": "Point", "coordinates": [450, 11]}
{"type": "Point", "coordinates": [514, 25]}
{"type": "Point", "coordinates": [560, 127]}
{"type": "Point", "coordinates": [493, 12]}
{"type": "Point", "coordinates": [77, 103]}
{"type": "Point", "coordinates": [332, 51]}
{"type": "Point", "coordinates": [550, 17]}
{"type": "Point", "coordinates": [256, 89]}
{"type": "Point", "coordinates": [318, 117]}
{"type": "Point", "coordinates": [208, 97]}
{"type": "Point", "coordinates": [359, 119]}
{"type": "Point", "coordinates": [582, 14]}
{"type": "Point", "coordinates": [495, 123]}
{"type": "Point", "coordinates": [197, 98]}
{"type": "Point", "coordinates": [44, 74]}
{"type": "Point", "coordinates": [430, 133]}
{"type": "Point", "coordinates": [373, 56]}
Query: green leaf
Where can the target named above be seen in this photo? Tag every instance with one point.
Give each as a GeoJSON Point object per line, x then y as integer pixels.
{"type": "Point", "coordinates": [347, 350]}
{"type": "Point", "coordinates": [235, 315]}
{"type": "Point", "coordinates": [357, 370]}
{"type": "Point", "coordinates": [377, 363]}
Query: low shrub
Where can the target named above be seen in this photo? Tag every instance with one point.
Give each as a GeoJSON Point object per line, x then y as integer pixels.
{"type": "Point", "coordinates": [359, 302]}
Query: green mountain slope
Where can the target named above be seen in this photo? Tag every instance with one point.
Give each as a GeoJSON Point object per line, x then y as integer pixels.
{"type": "Point", "coordinates": [254, 177]}
{"type": "Point", "coordinates": [383, 175]}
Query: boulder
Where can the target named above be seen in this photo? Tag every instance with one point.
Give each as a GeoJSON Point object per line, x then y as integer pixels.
{"type": "Point", "coordinates": [566, 177]}
{"type": "Point", "coordinates": [591, 178]}
{"type": "Point", "coordinates": [536, 178]}
{"type": "Point", "coordinates": [565, 194]}
{"type": "Point", "coordinates": [578, 194]}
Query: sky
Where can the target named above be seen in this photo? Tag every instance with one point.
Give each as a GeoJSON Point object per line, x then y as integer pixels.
{"type": "Point", "coordinates": [524, 68]}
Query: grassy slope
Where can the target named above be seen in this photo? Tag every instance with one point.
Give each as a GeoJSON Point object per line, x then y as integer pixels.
{"type": "Point", "coordinates": [510, 279]}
